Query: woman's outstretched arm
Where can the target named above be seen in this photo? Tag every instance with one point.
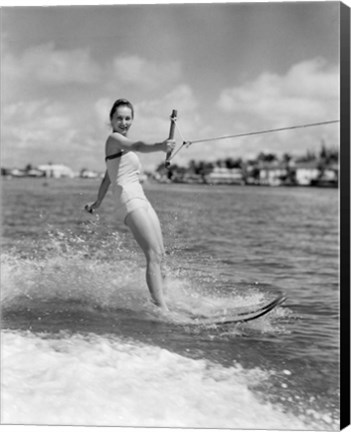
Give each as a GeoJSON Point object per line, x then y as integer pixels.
{"type": "Point", "coordinates": [116, 141]}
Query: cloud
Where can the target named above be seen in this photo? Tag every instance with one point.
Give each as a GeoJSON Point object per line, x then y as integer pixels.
{"type": "Point", "coordinates": [153, 115]}
{"type": "Point", "coordinates": [309, 91]}
{"type": "Point", "coordinates": [43, 130]}
{"type": "Point", "coordinates": [36, 124]}
{"type": "Point", "coordinates": [48, 65]}
{"type": "Point", "coordinates": [102, 108]}
{"type": "Point", "coordinates": [145, 73]}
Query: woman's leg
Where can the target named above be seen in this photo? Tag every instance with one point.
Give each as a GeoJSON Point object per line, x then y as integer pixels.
{"type": "Point", "coordinates": [148, 235]}
{"type": "Point", "coordinates": [158, 230]}
{"type": "Point", "coordinates": [157, 226]}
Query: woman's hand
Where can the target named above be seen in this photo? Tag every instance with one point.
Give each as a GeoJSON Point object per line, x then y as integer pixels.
{"type": "Point", "coordinates": [90, 208]}
{"type": "Point", "coordinates": [168, 146]}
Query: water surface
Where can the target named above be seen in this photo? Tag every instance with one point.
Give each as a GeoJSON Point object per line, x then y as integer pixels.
{"type": "Point", "coordinates": [82, 344]}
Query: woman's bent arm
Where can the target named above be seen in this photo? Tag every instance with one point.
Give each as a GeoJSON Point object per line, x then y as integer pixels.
{"type": "Point", "coordinates": [101, 194]}
{"type": "Point", "coordinates": [103, 188]}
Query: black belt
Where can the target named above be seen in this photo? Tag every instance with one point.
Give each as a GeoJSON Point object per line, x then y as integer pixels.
{"type": "Point", "coordinates": [114, 156]}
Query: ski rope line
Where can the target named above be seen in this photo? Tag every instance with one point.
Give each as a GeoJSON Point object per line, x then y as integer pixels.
{"type": "Point", "coordinates": [188, 143]}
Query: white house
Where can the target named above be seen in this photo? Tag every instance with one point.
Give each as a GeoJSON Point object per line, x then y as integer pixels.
{"type": "Point", "coordinates": [221, 175]}
{"type": "Point", "coordinates": [87, 174]}
{"type": "Point", "coordinates": [306, 172]}
{"type": "Point", "coordinates": [331, 173]}
{"type": "Point", "coordinates": [272, 174]}
{"type": "Point", "coordinates": [56, 171]}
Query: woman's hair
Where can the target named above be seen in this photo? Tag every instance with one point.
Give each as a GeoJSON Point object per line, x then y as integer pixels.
{"type": "Point", "coordinates": [121, 102]}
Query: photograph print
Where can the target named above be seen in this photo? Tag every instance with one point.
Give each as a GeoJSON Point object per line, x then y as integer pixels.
{"type": "Point", "coordinates": [175, 215]}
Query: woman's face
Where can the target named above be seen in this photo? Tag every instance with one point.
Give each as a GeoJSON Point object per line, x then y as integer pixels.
{"type": "Point", "coordinates": [122, 120]}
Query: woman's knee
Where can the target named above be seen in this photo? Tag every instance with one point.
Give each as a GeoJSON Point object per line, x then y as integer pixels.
{"type": "Point", "coordinates": [144, 232]}
{"type": "Point", "coordinates": [155, 255]}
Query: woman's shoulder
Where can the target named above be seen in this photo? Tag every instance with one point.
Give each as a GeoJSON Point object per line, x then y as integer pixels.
{"type": "Point", "coordinates": [115, 137]}
{"type": "Point", "coordinates": [113, 142]}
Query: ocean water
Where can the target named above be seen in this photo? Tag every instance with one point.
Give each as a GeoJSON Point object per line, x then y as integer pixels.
{"type": "Point", "coordinates": [83, 345]}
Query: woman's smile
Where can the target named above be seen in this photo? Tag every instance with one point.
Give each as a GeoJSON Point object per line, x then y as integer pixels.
{"type": "Point", "coordinates": [123, 129]}
{"type": "Point", "coordinates": [122, 120]}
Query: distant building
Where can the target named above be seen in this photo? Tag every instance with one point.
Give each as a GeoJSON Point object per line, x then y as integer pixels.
{"type": "Point", "coordinates": [191, 178]}
{"type": "Point", "coordinates": [15, 172]}
{"type": "Point", "coordinates": [35, 172]}
{"type": "Point", "coordinates": [272, 174]}
{"type": "Point", "coordinates": [306, 172]}
{"type": "Point", "coordinates": [328, 176]}
{"type": "Point", "coordinates": [251, 174]}
{"type": "Point", "coordinates": [56, 171]}
{"type": "Point", "coordinates": [331, 172]}
{"type": "Point", "coordinates": [221, 175]}
{"type": "Point", "coordinates": [87, 174]}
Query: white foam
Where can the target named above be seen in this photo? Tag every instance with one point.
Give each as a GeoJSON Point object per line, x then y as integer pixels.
{"type": "Point", "coordinates": [72, 277]}
{"type": "Point", "coordinates": [94, 380]}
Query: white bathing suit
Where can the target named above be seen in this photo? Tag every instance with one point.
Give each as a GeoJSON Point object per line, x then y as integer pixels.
{"type": "Point", "coordinates": [124, 170]}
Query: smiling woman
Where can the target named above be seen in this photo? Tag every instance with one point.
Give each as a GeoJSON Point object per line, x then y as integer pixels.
{"type": "Point", "coordinates": [123, 169]}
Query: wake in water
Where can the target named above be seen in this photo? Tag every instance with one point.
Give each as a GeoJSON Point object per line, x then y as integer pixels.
{"type": "Point", "coordinates": [67, 272]}
{"type": "Point", "coordinates": [90, 380]}
{"type": "Point", "coordinates": [83, 344]}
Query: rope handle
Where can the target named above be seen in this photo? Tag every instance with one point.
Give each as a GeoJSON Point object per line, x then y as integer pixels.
{"type": "Point", "coordinates": [171, 136]}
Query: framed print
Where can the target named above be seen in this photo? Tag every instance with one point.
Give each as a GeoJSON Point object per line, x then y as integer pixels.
{"type": "Point", "coordinates": [176, 215]}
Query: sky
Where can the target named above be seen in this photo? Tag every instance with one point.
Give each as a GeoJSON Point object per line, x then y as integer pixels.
{"type": "Point", "coordinates": [227, 68]}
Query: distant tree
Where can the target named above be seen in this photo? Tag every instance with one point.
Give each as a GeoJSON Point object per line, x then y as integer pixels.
{"type": "Point", "coordinates": [192, 166]}
{"type": "Point", "coordinates": [267, 157]}
{"type": "Point", "coordinates": [327, 156]}
{"type": "Point", "coordinates": [309, 156]}
{"type": "Point", "coordinates": [334, 156]}
{"type": "Point", "coordinates": [286, 157]}
{"type": "Point", "coordinates": [238, 163]}
{"type": "Point", "coordinates": [324, 152]}
{"type": "Point", "coordinates": [160, 167]}
{"type": "Point", "coordinates": [255, 173]}
{"type": "Point", "coordinates": [231, 163]}
{"type": "Point", "coordinates": [84, 172]}
{"type": "Point", "coordinates": [175, 171]}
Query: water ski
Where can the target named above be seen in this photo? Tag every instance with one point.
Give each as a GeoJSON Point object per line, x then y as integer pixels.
{"type": "Point", "coordinates": [241, 315]}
